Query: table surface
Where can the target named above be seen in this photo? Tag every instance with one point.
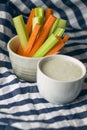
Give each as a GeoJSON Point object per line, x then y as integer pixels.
{"type": "Point", "coordinates": [21, 106]}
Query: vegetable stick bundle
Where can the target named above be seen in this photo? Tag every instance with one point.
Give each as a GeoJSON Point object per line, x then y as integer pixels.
{"type": "Point", "coordinates": [42, 34]}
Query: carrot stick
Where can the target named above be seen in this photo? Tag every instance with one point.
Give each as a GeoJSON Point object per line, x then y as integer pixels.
{"type": "Point", "coordinates": [29, 22]}
{"type": "Point", "coordinates": [20, 50]}
{"type": "Point", "coordinates": [32, 39]}
{"type": "Point", "coordinates": [48, 12]}
{"type": "Point", "coordinates": [44, 34]}
{"type": "Point", "coordinates": [58, 46]}
{"type": "Point", "coordinates": [66, 37]}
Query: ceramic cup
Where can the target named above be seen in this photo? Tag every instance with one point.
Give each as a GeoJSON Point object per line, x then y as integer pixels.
{"type": "Point", "coordinates": [24, 67]}
{"type": "Point", "coordinates": [58, 91]}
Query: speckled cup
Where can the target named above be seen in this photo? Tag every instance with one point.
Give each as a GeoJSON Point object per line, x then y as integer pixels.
{"type": "Point", "coordinates": [24, 67]}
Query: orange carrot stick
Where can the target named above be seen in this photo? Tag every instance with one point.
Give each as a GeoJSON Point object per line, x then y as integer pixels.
{"type": "Point", "coordinates": [66, 37]}
{"type": "Point", "coordinates": [44, 34]}
{"type": "Point", "coordinates": [58, 46]}
{"type": "Point", "coordinates": [48, 12]}
{"type": "Point", "coordinates": [29, 22]}
{"type": "Point", "coordinates": [32, 39]}
{"type": "Point", "coordinates": [20, 50]}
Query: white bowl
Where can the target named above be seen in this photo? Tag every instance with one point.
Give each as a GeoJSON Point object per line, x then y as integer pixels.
{"type": "Point", "coordinates": [58, 91]}
{"type": "Point", "coordinates": [24, 67]}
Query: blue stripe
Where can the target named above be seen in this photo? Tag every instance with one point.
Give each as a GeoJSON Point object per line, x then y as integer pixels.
{"type": "Point", "coordinates": [57, 9]}
{"type": "Point", "coordinates": [76, 52]}
{"type": "Point", "coordinates": [5, 74]}
{"type": "Point", "coordinates": [77, 13]}
{"type": "Point", "coordinates": [12, 82]}
{"type": "Point", "coordinates": [48, 121]}
{"type": "Point", "coordinates": [29, 4]}
{"type": "Point", "coordinates": [63, 128]}
{"type": "Point", "coordinates": [13, 10]}
{"type": "Point", "coordinates": [34, 101]}
{"type": "Point", "coordinates": [85, 80]}
{"type": "Point", "coordinates": [76, 44]}
{"type": "Point", "coordinates": [83, 93]}
{"type": "Point", "coordinates": [17, 91]}
{"type": "Point", "coordinates": [24, 102]}
{"type": "Point", "coordinates": [3, 7]}
{"type": "Point", "coordinates": [79, 37]}
{"type": "Point", "coordinates": [73, 30]}
{"type": "Point", "coordinates": [5, 64]}
{"type": "Point", "coordinates": [47, 110]}
{"type": "Point", "coordinates": [7, 127]}
{"type": "Point", "coordinates": [85, 2]}
{"type": "Point", "coordinates": [4, 37]}
{"type": "Point", "coordinates": [24, 90]}
{"type": "Point", "coordinates": [8, 24]}
{"type": "Point", "coordinates": [84, 60]}
{"type": "Point", "coordinates": [4, 52]}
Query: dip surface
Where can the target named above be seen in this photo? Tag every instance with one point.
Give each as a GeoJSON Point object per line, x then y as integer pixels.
{"type": "Point", "coordinates": [62, 69]}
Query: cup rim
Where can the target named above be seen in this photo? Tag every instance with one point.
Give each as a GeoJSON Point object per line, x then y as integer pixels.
{"type": "Point", "coordinates": [59, 81]}
{"type": "Point", "coordinates": [15, 54]}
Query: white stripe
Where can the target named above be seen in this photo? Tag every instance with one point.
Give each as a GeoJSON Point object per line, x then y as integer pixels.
{"type": "Point", "coordinates": [69, 13]}
{"type": "Point", "coordinates": [1, 123]}
{"type": "Point", "coordinates": [77, 33]}
{"type": "Point", "coordinates": [61, 124]}
{"type": "Point", "coordinates": [6, 31]}
{"type": "Point", "coordinates": [3, 70]}
{"type": "Point", "coordinates": [6, 15]}
{"type": "Point", "coordinates": [82, 7]}
{"type": "Point", "coordinates": [7, 80]}
{"type": "Point", "coordinates": [3, 45]}
{"type": "Point", "coordinates": [3, 57]}
{"type": "Point", "coordinates": [30, 106]}
{"type": "Point", "coordinates": [19, 97]}
{"type": "Point", "coordinates": [46, 116]}
{"type": "Point", "coordinates": [39, 4]}
{"type": "Point", "coordinates": [11, 87]}
{"type": "Point", "coordinates": [21, 6]}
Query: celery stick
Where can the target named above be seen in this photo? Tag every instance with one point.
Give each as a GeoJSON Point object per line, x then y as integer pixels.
{"type": "Point", "coordinates": [39, 12]}
{"type": "Point", "coordinates": [62, 23]}
{"type": "Point", "coordinates": [21, 30]}
{"type": "Point", "coordinates": [47, 45]}
{"type": "Point", "coordinates": [36, 20]}
{"type": "Point", "coordinates": [39, 16]}
{"type": "Point", "coordinates": [54, 26]}
{"type": "Point", "coordinates": [59, 32]}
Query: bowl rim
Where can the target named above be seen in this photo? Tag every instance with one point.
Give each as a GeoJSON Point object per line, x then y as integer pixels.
{"type": "Point", "coordinates": [17, 55]}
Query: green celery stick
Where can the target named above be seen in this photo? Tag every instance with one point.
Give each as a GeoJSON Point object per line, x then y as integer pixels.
{"type": "Point", "coordinates": [59, 32]}
{"type": "Point", "coordinates": [21, 30]}
{"type": "Point", "coordinates": [47, 45]}
{"type": "Point", "coordinates": [39, 12]}
{"type": "Point", "coordinates": [36, 20]}
{"type": "Point", "coordinates": [62, 23]}
{"type": "Point", "coordinates": [39, 17]}
{"type": "Point", "coordinates": [54, 26]}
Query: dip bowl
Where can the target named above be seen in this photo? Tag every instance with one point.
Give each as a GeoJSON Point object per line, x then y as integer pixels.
{"type": "Point", "coordinates": [60, 78]}
{"type": "Point", "coordinates": [24, 67]}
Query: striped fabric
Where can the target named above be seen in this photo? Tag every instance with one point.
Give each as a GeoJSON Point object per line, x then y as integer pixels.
{"type": "Point", "coordinates": [21, 106]}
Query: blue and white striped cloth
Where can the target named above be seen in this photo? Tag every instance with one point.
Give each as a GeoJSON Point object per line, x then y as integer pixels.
{"type": "Point", "coordinates": [21, 106]}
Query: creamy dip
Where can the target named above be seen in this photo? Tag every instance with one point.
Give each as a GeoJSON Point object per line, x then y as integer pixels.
{"type": "Point", "coordinates": [62, 69]}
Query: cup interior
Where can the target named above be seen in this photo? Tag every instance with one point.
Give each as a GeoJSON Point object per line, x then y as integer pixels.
{"type": "Point", "coordinates": [13, 44]}
{"type": "Point", "coordinates": [68, 58]}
